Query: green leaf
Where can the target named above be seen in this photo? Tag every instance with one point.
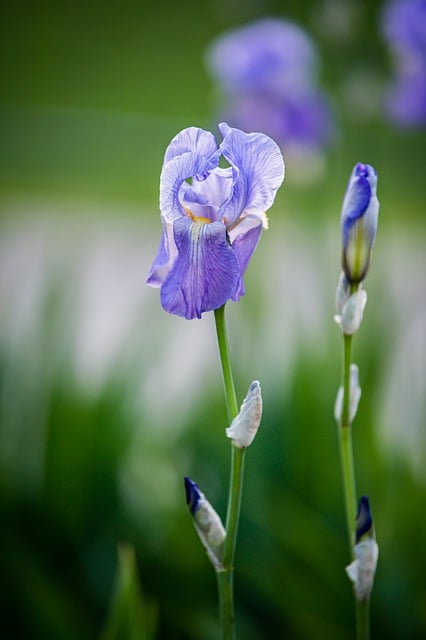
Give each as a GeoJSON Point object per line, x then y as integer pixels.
{"type": "Point", "coordinates": [130, 616]}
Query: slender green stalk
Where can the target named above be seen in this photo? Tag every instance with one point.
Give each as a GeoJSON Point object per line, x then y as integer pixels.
{"type": "Point", "coordinates": [349, 486]}
{"type": "Point", "coordinates": [226, 575]}
{"type": "Point", "coordinates": [363, 619]}
{"type": "Point", "coordinates": [225, 587]}
{"type": "Point", "coordinates": [228, 380]}
{"type": "Point", "coordinates": [346, 452]}
{"type": "Point", "coordinates": [234, 505]}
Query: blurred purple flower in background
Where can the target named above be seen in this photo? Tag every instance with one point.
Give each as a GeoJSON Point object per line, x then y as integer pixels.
{"type": "Point", "coordinates": [404, 28]}
{"type": "Point", "coordinates": [266, 76]}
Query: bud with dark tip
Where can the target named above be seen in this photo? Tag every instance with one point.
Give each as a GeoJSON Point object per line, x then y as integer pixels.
{"type": "Point", "coordinates": [359, 219]}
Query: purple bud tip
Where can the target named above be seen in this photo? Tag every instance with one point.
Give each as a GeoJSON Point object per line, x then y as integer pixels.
{"type": "Point", "coordinates": [364, 170]}
{"type": "Point", "coordinates": [361, 170]}
{"type": "Point", "coordinates": [192, 493]}
{"type": "Point", "coordinates": [364, 519]}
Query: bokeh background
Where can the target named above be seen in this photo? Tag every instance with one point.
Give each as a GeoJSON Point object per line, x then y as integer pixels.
{"type": "Point", "coordinates": [106, 402]}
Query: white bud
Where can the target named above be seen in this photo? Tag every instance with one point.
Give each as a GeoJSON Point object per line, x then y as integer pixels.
{"type": "Point", "coordinates": [210, 530]}
{"type": "Point", "coordinates": [206, 521]}
{"type": "Point", "coordinates": [244, 427]}
{"type": "Point", "coordinates": [351, 317]}
{"type": "Point", "coordinates": [355, 395]}
{"type": "Point", "coordinates": [361, 571]}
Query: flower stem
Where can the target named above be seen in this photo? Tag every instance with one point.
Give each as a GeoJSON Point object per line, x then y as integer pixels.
{"type": "Point", "coordinates": [226, 574]}
{"type": "Point", "coordinates": [363, 619]}
{"type": "Point", "coordinates": [346, 452]}
{"type": "Point", "coordinates": [349, 486]}
{"type": "Point", "coordinates": [228, 381]}
{"type": "Point", "coordinates": [225, 587]}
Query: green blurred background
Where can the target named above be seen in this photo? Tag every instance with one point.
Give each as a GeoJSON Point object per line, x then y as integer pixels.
{"type": "Point", "coordinates": [106, 402]}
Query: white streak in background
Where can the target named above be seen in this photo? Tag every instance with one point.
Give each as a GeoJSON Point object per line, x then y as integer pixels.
{"type": "Point", "coordinates": [403, 402]}
{"type": "Point", "coordinates": [286, 311]}
{"type": "Point", "coordinates": [22, 281]}
{"type": "Point", "coordinates": [22, 290]}
{"type": "Point", "coordinates": [401, 407]}
{"type": "Point", "coordinates": [105, 322]}
{"type": "Point", "coordinates": [110, 300]}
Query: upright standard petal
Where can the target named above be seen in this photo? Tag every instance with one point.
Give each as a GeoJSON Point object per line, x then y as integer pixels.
{"type": "Point", "coordinates": [174, 174]}
{"type": "Point", "coordinates": [191, 140]}
{"type": "Point", "coordinates": [258, 169]}
{"type": "Point", "coordinates": [205, 273]}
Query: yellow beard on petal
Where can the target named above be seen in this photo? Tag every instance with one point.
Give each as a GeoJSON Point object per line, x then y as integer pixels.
{"type": "Point", "coordinates": [196, 218]}
{"type": "Point", "coordinates": [201, 219]}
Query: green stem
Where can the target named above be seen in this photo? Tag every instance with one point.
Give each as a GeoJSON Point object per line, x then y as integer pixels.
{"type": "Point", "coordinates": [348, 475]}
{"type": "Point", "coordinates": [234, 506]}
{"type": "Point", "coordinates": [225, 576]}
{"type": "Point", "coordinates": [362, 619]}
{"type": "Point", "coordinates": [346, 451]}
{"type": "Point", "coordinates": [225, 587]}
{"type": "Point", "coordinates": [228, 381]}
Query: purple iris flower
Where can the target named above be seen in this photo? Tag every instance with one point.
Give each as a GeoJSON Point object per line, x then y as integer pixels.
{"type": "Point", "coordinates": [404, 27]}
{"type": "Point", "coordinates": [268, 56]}
{"type": "Point", "coordinates": [267, 76]}
{"type": "Point", "coordinates": [212, 216]}
{"type": "Point", "coordinates": [359, 220]}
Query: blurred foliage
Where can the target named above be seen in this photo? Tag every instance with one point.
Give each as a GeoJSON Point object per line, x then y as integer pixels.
{"type": "Point", "coordinates": [130, 618]}
{"type": "Point", "coordinates": [91, 95]}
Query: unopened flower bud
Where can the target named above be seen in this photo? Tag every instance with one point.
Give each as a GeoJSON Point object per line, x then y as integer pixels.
{"type": "Point", "coordinates": [206, 521]}
{"type": "Point", "coordinates": [355, 395]}
{"type": "Point", "coordinates": [352, 313]}
{"type": "Point", "coordinates": [362, 570]}
{"type": "Point", "coordinates": [359, 219]}
{"type": "Point", "coordinates": [244, 427]}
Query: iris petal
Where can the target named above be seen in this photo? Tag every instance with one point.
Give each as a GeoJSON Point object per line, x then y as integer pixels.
{"type": "Point", "coordinates": [213, 190]}
{"type": "Point", "coordinates": [258, 170]}
{"type": "Point", "coordinates": [164, 258]}
{"type": "Point", "coordinates": [191, 140]}
{"type": "Point", "coordinates": [244, 246]}
{"type": "Point", "coordinates": [205, 273]}
{"type": "Point", "coordinates": [173, 175]}
{"type": "Point", "coordinates": [356, 202]}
